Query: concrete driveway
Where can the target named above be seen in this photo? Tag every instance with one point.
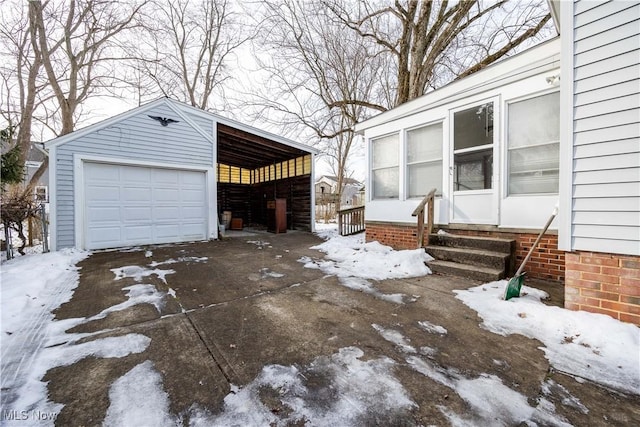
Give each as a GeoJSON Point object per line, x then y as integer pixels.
{"type": "Point", "coordinates": [234, 306]}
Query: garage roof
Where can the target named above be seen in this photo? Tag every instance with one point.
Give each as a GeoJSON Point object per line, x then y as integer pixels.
{"type": "Point", "coordinates": [238, 144]}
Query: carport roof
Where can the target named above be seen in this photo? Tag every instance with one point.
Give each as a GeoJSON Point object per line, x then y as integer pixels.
{"type": "Point", "coordinates": [238, 144]}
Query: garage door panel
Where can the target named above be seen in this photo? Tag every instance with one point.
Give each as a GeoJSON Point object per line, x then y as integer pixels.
{"type": "Point", "coordinates": [166, 176]}
{"type": "Point", "coordinates": [192, 213]}
{"type": "Point", "coordinates": [136, 175]}
{"type": "Point", "coordinates": [166, 213]}
{"type": "Point", "coordinates": [138, 233]}
{"type": "Point", "coordinates": [164, 231]}
{"type": "Point", "coordinates": [104, 214]}
{"type": "Point", "coordinates": [192, 195]}
{"type": "Point", "coordinates": [192, 230]}
{"type": "Point", "coordinates": [166, 195]}
{"type": "Point", "coordinates": [136, 213]}
{"type": "Point", "coordinates": [103, 193]}
{"type": "Point", "coordinates": [102, 172]}
{"type": "Point", "coordinates": [107, 235]}
{"type": "Point", "coordinates": [132, 205]}
{"type": "Point", "coordinates": [190, 178]}
{"type": "Point", "coordinates": [135, 194]}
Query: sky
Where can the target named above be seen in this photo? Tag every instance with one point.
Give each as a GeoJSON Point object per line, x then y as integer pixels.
{"type": "Point", "coordinates": [584, 345]}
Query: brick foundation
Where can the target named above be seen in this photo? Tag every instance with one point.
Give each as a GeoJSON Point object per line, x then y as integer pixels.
{"type": "Point", "coordinates": [395, 235]}
{"type": "Point", "coordinates": [604, 283]}
{"type": "Point", "coordinates": [546, 262]}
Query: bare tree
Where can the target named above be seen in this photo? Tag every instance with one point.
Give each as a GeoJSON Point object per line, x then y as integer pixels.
{"type": "Point", "coordinates": [22, 85]}
{"type": "Point", "coordinates": [319, 74]}
{"type": "Point", "coordinates": [434, 42]}
{"type": "Point", "coordinates": [191, 45]}
{"type": "Point", "coordinates": [78, 44]}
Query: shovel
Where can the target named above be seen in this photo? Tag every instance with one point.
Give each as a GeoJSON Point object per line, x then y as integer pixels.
{"type": "Point", "coordinates": [515, 284]}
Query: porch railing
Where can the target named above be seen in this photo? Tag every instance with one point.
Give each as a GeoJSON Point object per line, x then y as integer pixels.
{"type": "Point", "coordinates": [419, 212]}
{"type": "Point", "coordinates": [351, 221]}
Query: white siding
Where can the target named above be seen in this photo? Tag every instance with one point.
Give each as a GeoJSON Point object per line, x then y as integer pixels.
{"type": "Point", "coordinates": [605, 146]}
{"type": "Point", "coordinates": [138, 138]}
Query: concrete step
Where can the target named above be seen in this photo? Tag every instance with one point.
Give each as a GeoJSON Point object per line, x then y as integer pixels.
{"type": "Point", "coordinates": [474, 272]}
{"type": "Point", "coordinates": [477, 257]}
{"type": "Point", "coordinates": [493, 244]}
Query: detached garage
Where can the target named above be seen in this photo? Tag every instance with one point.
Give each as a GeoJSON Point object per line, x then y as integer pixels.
{"type": "Point", "coordinates": [165, 172]}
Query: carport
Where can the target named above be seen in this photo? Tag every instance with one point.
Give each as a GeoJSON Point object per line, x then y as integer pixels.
{"type": "Point", "coordinates": [253, 170]}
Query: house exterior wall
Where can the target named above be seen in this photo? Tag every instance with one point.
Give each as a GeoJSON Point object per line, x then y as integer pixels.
{"type": "Point", "coordinates": [601, 75]}
{"type": "Point", "coordinates": [508, 82]}
{"type": "Point", "coordinates": [600, 187]}
{"type": "Point", "coordinates": [136, 139]}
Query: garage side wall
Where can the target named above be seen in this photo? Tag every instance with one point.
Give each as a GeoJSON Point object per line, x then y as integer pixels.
{"type": "Point", "coordinates": [138, 138]}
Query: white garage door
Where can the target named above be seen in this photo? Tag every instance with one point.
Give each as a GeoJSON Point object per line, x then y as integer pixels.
{"type": "Point", "coordinates": [131, 205]}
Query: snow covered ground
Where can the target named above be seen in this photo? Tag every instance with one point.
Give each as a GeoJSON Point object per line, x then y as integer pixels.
{"type": "Point", "coordinates": [587, 346]}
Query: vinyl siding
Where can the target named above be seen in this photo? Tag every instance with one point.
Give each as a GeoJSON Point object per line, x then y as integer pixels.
{"type": "Point", "coordinates": [137, 138]}
{"type": "Point", "coordinates": [606, 125]}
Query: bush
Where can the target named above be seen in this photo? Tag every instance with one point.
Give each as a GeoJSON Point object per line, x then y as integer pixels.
{"type": "Point", "coordinates": [17, 205]}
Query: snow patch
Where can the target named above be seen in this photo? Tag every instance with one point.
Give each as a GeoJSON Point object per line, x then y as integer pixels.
{"type": "Point", "coordinates": [588, 345]}
{"type": "Point", "coordinates": [137, 273]}
{"type": "Point", "coordinates": [355, 263]}
{"type": "Point", "coordinates": [337, 390]}
{"type": "Point", "coordinates": [137, 399]}
{"type": "Point", "coordinates": [491, 401]}
{"type": "Point", "coordinates": [179, 259]}
{"type": "Point", "coordinates": [432, 328]}
{"type": "Point", "coordinates": [396, 338]}
{"type": "Point", "coordinates": [138, 294]}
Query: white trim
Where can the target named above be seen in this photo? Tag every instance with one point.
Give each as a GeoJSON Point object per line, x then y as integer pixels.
{"type": "Point", "coordinates": [80, 159]}
{"type": "Point", "coordinates": [53, 211]}
{"type": "Point", "coordinates": [565, 190]}
{"type": "Point", "coordinates": [531, 62]}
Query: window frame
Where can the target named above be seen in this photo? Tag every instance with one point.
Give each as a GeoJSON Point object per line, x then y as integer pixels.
{"type": "Point", "coordinates": [509, 149]}
{"type": "Point", "coordinates": [408, 164]}
{"type": "Point", "coordinates": [373, 169]}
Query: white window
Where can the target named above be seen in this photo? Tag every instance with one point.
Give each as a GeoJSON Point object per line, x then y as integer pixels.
{"type": "Point", "coordinates": [384, 167]}
{"type": "Point", "coordinates": [534, 144]}
{"type": "Point", "coordinates": [424, 160]}
{"type": "Point", "coordinates": [41, 193]}
{"type": "Point", "coordinates": [473, 148]}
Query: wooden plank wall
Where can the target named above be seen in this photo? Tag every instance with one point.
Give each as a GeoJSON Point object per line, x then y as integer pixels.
{"type": "Point", "coordinates": [249, 202]}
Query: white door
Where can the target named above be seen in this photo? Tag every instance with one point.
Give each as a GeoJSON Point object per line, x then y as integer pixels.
{"type": "Point", "coordinates": [134, 205]}
{"type": "Point", "coordinates": [473, 174]}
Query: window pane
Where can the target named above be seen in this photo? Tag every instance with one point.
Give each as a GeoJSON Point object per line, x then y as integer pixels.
{"type": "Point", "coordinates": [534, 169]}
{"type": "Point", "coordinates": [385, 183]}
{"type": "Point", "coordinates": [534, 121]}
{"type": "Point", "coordinates": [473, 127]}
{"type": "Point", "coordinates": [385, 151]}
{"type": "Point", "coordinates": [424, 144]}
{"type": "Point", "coordinates": [473, 171]}
{"type": "Point", "coordinates": [423, 177]}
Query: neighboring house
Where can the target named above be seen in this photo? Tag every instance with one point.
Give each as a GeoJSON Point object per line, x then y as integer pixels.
{"type": "Point", "coordinates": [35, 157]}
{"type": "Point", "coordinates": [488, 144]}
{"type": "Point", "coordinates": [165, 172]}
{"type": "Point", "coordinates": [599, 223]}
{"type": "Point", "coordinates": [327, 191]}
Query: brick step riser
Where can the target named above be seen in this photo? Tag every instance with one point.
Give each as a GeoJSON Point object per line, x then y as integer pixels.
{"type": "Point", "coordinates": [503, 246]}
{"type": "Point", "coordinates": [474, 275]}
{"type": "Point", "coordinates": [487, 260]}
